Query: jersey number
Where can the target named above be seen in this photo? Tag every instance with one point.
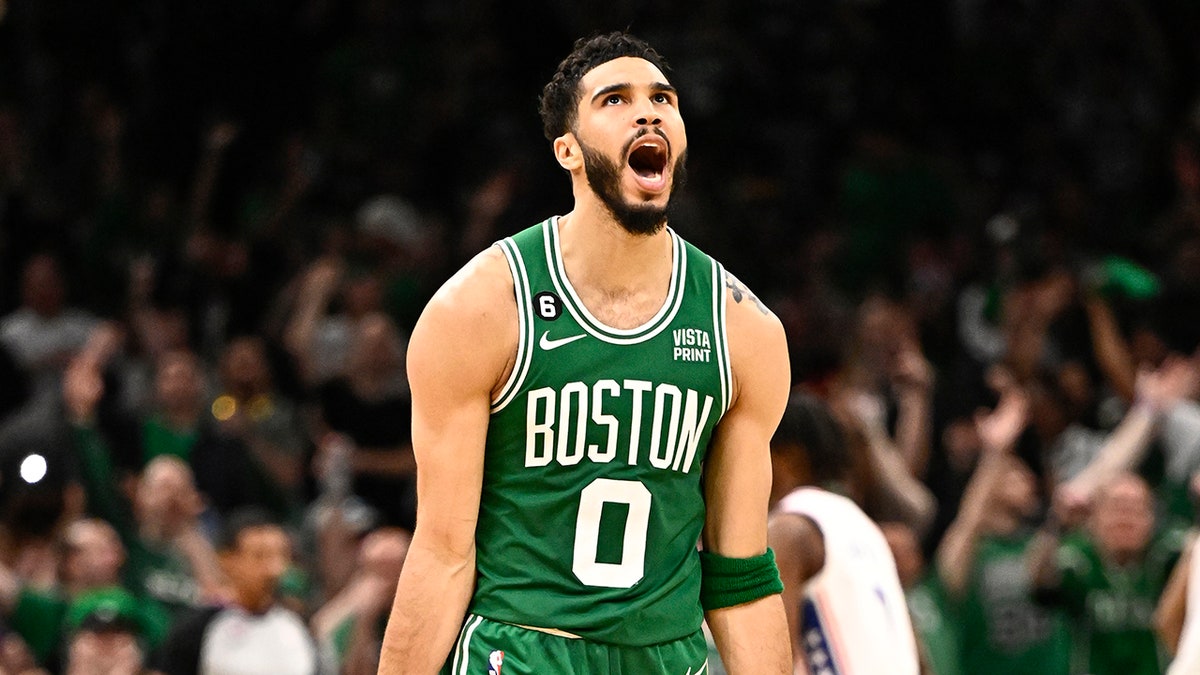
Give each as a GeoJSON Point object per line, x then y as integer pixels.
{"type": "Point", "coordinates": [587, 533]}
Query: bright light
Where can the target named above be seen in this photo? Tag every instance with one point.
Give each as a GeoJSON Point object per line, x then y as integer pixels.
{"type": "Point", "coordinates": [33, 468]}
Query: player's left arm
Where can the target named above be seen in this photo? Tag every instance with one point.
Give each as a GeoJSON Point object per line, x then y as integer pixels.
{"type": "Point", "coordinates": [752, 636]}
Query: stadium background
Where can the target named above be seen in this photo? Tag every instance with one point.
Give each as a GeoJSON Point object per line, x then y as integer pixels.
{"type": "Point", "coordinates": [204, 158]}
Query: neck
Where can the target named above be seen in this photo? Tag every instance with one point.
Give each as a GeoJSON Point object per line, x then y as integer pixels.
{"type": "Point", "coordinates": [253, 602]}
{"type": "Point", "coordinates": [602, 257]}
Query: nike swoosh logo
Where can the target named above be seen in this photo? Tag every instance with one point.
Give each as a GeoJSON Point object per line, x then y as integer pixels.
{"type": "Point", "coordinates": [547, 344]}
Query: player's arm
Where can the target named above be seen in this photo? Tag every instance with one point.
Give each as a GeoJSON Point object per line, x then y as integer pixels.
{"type": "Point", "coordinates": [461, 349]}
{"type": "Point", "coordinates": [800, 553]}
{"type": "Point", "coordinates": [752, 635]}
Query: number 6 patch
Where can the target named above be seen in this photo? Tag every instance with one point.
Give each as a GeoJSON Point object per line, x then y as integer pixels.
{"type": "Point", "coordinates": [548, 305]}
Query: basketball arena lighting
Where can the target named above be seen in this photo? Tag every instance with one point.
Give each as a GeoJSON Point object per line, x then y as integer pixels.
{"type": "Point", "coordinates": [33, 468]}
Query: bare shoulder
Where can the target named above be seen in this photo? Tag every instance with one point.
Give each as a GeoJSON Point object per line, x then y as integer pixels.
{"type": "Point", "coordinates": [469, 326]}
{"type": "Point", "coordinates": [757, 344]}
{"type": "Point", "coordinates": [483, 283]}
{"type": "Point", "coordinates": [740, 294]}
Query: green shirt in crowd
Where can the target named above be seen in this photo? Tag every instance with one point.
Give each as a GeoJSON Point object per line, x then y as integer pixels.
{"type": "Point", "coordinates": [1112, 607]}
{"type": "Point", "coordinates": [1003, 631]}
{"type": "Point", "coordinates": [935, 625]}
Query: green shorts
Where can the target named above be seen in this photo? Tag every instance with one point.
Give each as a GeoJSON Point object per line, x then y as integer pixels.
{"type": "Point", "coordinates": [487, 647]}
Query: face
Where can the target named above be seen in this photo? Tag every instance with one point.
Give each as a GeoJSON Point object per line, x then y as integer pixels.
{"type": "Point", "coordinates": [166, 483]}
{"type": "Point", "coordinates": [178, 382]}
{"type": "Point", "coordinates": [1123, 519]}
{"type": "Point", "coordinates": [1017, 495]}
{"type": "Point", "coordinates": [114, 652]}
{"type": "Point", "coordinates": [244, 367]}
{"type": "Point", "coordinates": [377, 345]}
{"type": "Point", "coordinates": [255, 566]}
{"type": "Point", "coordinates": [631, 139]}
{"type": "Point", "coordinates": [95, 553]}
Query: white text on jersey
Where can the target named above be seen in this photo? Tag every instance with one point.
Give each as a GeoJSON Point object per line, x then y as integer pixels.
{"type": "Point", "coordinates": [692, 344]}
{"type": "Point", "coordinates": [559, 421]}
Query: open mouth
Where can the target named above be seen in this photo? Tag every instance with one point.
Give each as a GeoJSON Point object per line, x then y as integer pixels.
{"type": "Point", "coordinates": [648, 158]}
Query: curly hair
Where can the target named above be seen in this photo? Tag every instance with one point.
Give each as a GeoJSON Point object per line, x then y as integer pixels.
{"type": "Point", "coordinates": [560, 96]}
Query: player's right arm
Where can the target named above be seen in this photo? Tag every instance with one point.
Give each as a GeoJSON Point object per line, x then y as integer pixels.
{"type": "Point", "coordinates": [460, 352]}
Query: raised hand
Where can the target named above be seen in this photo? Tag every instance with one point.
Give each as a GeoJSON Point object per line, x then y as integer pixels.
{"type": "Point", "coordinates": [999, 429]}
{"type": "Point", "coordinates": [1177, 378]}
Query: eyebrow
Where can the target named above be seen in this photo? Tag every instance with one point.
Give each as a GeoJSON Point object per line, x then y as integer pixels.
{"type": "Point", "coordinates": [621, 86]}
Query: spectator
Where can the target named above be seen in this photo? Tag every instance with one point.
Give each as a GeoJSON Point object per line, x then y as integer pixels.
{"type": "Point", "coordinates": [44, 332]}
{"type": "Point", "coordinates": [981, 559]}
{"type": "Point", "coordinates": [253, 634]}
{"type": "Point", "coordinates": [892, 381]}
{"type": "Point", "coordinates": [935, 625]}
{"type": "Point", "coordinates": [349, 626]}
{"type": "Point", "coordinates": [181, 426]}
{"type": "Point", "coordinates": [106, 635]}
{"type": "Point", "coordinates": [1164, 405]}
{"type": "Point", "coordinates": [170, 557]}
{"type": "Point", "coordinates": [320, 339]}
{"type": "Point", "coordinates": [252, 410]}
{"type": "Point", "coordinates": [1109, 577]}
{"type": "Point", "coordinates": [365, 413]}
{"type": "Point", "coordinates": [91, 565]}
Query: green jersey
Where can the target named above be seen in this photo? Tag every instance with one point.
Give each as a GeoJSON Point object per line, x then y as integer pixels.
{"type": "Point", "coordinates": [1002, 630]}
{"type": "Point", "coordinates": [1114, 606]}
{"type": "Point", "coordinates": [592, 503]}
{"type": "Point", "coordinates": [934, 625]}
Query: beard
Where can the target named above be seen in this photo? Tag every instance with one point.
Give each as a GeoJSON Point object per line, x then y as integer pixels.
{"type": "Point", "coordinates": [604, 176]}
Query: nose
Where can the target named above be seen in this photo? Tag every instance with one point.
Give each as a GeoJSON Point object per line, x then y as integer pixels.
{"type": "Point", "coordinates": [646, 115]}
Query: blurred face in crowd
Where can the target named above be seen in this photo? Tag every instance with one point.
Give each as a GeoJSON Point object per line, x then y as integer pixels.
{"type": "Point", "coordinates": [255, 565]}
{"type": "Point", "coordinates": [166, 492]}
{"type": "Point", "coordinates": [632, 140]}
{"type": "Point", "coordinates": [362, 294]}
{"type": "Point", "coordinates": [884, 329]}
{"type": "Point", "coordinates": [179, 382]}
{"type": "Point", "coordinates": [377, 345]}
{"type": "Point", "coordinates": [1123, 517]}
{"type": "Point", "coordinates": [1017, 495]}
{"type": "Point", "coordinates": [113, 652]}
{"type": "Point", "coordinates": [94, 554]}
{"type": "Point", "coordinates": [43, 288]}
{"type": "Point", "coordinates": [244, 368]}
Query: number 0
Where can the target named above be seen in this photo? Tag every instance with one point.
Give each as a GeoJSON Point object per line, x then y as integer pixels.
{"type": "Point", "coordinates": [587, 533]}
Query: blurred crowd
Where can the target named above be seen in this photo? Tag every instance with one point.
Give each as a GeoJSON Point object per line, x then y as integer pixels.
{"type": "Point", "coordinates": [979, 221]}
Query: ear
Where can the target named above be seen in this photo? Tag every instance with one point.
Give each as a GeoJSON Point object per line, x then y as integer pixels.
{"type": "Point", "coordinates": [568, 153]}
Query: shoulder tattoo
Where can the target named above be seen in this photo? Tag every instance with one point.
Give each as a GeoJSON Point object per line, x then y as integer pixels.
{"type": "Point", "coordinates": [741, 292]}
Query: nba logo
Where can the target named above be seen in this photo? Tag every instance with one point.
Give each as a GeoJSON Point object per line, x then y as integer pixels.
{"type": "Point", "coordinates": [495, 662]}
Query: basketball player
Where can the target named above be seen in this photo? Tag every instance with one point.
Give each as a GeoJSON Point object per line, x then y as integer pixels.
{"type": "Point", "coordinates": [591, 397]}
{"type": "Point", "coordinates": [846, 609]}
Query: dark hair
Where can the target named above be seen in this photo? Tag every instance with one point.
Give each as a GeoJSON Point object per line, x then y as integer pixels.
{"type": "Point", "coordinates": [560, 96]}
{"type": "Point", "coordinates": [809, 426]}
{"type": "Point", "coordinates": [242, 519]}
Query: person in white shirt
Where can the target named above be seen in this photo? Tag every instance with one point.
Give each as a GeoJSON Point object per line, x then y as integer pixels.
{"type": "Point", "coordinates": [846, 609]}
